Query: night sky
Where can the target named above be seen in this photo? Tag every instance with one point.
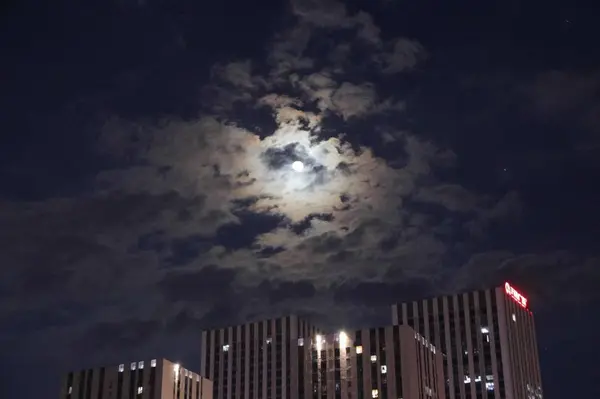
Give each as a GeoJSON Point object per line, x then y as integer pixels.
{"type": "Point", "coordinates": [147, 190]}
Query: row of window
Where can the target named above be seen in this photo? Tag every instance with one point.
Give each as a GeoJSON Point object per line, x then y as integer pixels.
{"type": "Point", "coordinates": [139, 365]}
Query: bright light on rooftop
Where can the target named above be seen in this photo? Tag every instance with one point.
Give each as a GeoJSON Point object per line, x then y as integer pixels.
{"type": "Point", "coordinates": [343, 337]}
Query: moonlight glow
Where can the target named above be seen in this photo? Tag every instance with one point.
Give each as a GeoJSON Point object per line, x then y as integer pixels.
{"type": "Point", "coordinates": [298, 166]}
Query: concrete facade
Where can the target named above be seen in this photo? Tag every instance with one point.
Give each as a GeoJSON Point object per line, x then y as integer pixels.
{"type": "Point", "coordinates": [146, 379]}
{"type": "Point", "coordinates": [488, 340]}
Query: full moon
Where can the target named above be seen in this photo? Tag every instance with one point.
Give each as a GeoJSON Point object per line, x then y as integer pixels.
{"type": "Point", "coordinates": [298, 166]}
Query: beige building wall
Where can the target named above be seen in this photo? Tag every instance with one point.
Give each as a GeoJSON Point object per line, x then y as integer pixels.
{"type": "Point", "coordinates": [257, 360]}
{"type": "Point", "coordinates": [488, 338]}
{"type": "Point", "coordinates": [147, 379]}
{"type": "Point", "coordinates": [396, 362]}
{"type": "Point", "coordinates": [287, 358]}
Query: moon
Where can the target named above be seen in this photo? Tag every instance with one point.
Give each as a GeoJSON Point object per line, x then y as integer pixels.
{"type": "Point", "coordinates": [298, 166]}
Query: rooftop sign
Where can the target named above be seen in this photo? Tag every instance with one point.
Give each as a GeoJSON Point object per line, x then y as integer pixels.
{"type": "Point", "coordinates": [514, 294]}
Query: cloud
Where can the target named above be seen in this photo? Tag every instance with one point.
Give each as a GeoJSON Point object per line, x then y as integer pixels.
{"type": "Point", "coordinates": [201, 220]}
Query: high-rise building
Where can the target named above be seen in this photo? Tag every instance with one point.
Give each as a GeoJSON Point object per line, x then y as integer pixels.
{"type": "Point", "coordinates": [258, 360]}
{"type": "Point", "coordinates": [288, 358]}
{"type": "Point", "coordinates": [396, 362]}
{"type": "Point", "coordinates": [376, 363]}
{"type": "Point", "coordinates": [146, 379]}
{"type": "Point", "coordinates": [487, 338]}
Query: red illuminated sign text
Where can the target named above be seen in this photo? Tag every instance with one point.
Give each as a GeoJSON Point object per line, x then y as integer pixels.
{"type": "Point", "coordinates": [520, 299]}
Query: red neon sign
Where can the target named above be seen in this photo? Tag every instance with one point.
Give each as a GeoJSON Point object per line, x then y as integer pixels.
{"type": "Point", "coordinates": [514, 294]}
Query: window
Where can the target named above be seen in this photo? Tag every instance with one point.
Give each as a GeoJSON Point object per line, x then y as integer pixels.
{"type": "Point", "coordinates": [514, 317]}
{"type": "Point", "coordinates": [269, 340]}
{"type": "Point", "coordinates": [485, 330]}
{"type": "Point", "coordinates": [133, 364]}
{"type": "Point", "coordinates": [225, 348]}
{"type": "Point", "coordinates": [358, 350]}
{"type": "Point", "coordinates": [383, 369]}
{"type": "Point", "coordinates": [374, 393]}
{"type": "Point", "coordinates": [140, 365]}
{"type": "Point", "coordinates": [121, 368]}
{"type": "Point", "coordinates": [140, 390]}
{"type": "Point", "coordinates": [489, 386]}
{"type": "Point", "coordinates": [70, 390]}
{"type": "Point", "coordinates": [153, 363]}
{"type": "Point", "coordinates": [373, 358]}
{"type": "Point", "coordinates": [300, 341]}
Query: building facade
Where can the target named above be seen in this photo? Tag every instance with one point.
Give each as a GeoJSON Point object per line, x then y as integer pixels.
{"type": "Point", "coordinates": [258, 360]}
{"type": "Point", "coordinates": [288, 358]}
{"type": "Point", "coordinates": [396, 362]}
{"type": "Point", "coordinates": [147, 379]}
{"type": "Point", "coordinates": [487, 338]}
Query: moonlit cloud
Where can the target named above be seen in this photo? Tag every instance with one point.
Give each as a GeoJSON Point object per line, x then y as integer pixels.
{"type": "Point", "coordinates": [205, 218]}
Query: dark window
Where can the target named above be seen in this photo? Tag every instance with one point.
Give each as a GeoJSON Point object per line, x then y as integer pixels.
{"type": "Point", "coordinates": [132, 389]}
{"type": "Point", "coordinates": [81, 388]}
{"type": "Point", "coordinates": [69, 384]}
{"type": "Point", "coordinates": [101, 383]}
{"type": "Point", "coordinates": [120, 386]}
{"type": "Point", "coordinates": [152, 381]}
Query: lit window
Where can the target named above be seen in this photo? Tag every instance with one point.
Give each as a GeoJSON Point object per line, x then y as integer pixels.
{"type": "Point", "coordinates": [133, 365]}
{"type": "Point", "coordinates": [226, 348]}
{"type": "Point", "coordinates": [489, 377]}
{"type": "Point", "coordinates": [467, 379]}
{"type": "Point", "coordinates": [478, 378]}
{"type": "Point", "coordinates": [373, 358]}
{"type": "Point", "coordinates": [358, 350]}
{"type": "Point", "coordinates": [70, 390]}
{"type": "Point", "coordinates": [383, 369]}
{"type": "Point", "coordinates": [269, 340]}
{"type": "Point", "coordinates": [300, 341]}
{"type": "Point", "coordinates": [121, 368]}
{"type": "Point", "coordinates": [485, 330]}
{"type": "Point", "coordinates": [140, 365]}
{"type": "Point", "coordinates": [487, 338]}
{"type": "Point", "coordinates": [140, 390]}
{"type": "Point", "coordinates": [153, 363]}
{"type": "Point", "coordinates": [489, 386]}
{"type": "Point", "coordinates": [514, 317]}
{"type": "Point", "coordinates": [374, 393]}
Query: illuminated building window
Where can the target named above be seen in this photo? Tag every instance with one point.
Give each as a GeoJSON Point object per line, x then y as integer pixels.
{"type": "Point", "coordinates": [133, 365]}
{"type": "Point", "coordinates": [121, 368]}
{"type": "Point", "coordinates": [373, 358]}
{"type": "Point", "coordinates": [153, 363]}
{"type": "Point", "coordinates": [225, 348]}
{"type": "Point", "coordinates": [140, 365]}
{"type": "Point", "coordinates": [374, 393]}
{"type": "Point", "coordinates": [70, 390]}
{"type": "Point", "coordinates": [358, 350]}
{"type": "Point", "coordinates": [514, 317]}
{"type": "Point", "coordinates": [140, 390]}
{"type": "Point", "coordinates": [485, 330]}
{"type": "Point", "coordinates": [489, 386]}
{"type": "Point", "coordinates": [300, 341]}
{"type": "Point", "coordinates": [269, 340]}
{"type": "Point", "coordinates": [383, 369]}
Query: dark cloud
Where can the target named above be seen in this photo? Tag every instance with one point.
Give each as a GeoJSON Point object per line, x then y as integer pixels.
{"type": "Point", "coordinates": [205, 285]}
{"type": "Point", "coordinates": [379, 293]}
{"type": "Point", "coordinates": [305, 224]}
{"type": "Point", "coordinates": [278, 291]}
{"type": "Point", "coordinates": [243, 234]}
